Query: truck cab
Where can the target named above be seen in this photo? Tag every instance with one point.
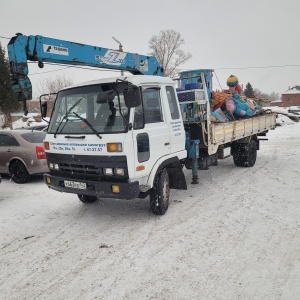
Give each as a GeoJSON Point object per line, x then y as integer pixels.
{"type": "Point", "coordinates": [117, 138]}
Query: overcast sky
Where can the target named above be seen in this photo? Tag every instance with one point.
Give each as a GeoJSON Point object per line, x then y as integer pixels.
{"type": "Point", "coordinates": [249, 39]}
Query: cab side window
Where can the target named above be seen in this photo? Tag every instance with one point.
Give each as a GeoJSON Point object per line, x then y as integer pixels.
{"type": "Point", "coordinates": [152, 105]}
{"type": "Point", "coordinates": [172, 102]}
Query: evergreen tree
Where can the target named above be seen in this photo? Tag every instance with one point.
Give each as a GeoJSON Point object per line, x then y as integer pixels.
{"type": "Point", "coordinates": [249, 92]}
{"type": "Point", "coordinates": [8, 103]}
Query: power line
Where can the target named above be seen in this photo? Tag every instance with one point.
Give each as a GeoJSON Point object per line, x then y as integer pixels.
{"type": "Point", "coordinates": [259, 67]}
{"type": "Point", "coordinates": [49, 71]}
{"type": "Point", "coordinates": [233, 68]}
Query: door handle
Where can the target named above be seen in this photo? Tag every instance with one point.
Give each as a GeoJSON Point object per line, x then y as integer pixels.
{"type": "Point", "coordinates": [167, 144]}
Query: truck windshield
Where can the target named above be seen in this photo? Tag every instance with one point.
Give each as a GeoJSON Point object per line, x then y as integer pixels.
{"type": "Point", "coordinates": [76, 111]}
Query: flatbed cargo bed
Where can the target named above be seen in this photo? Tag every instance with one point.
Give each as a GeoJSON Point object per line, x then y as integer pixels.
{"type": "Point", "coordinates": [222, 133]}
{"type": "Point", "coordinates": [228, 132]}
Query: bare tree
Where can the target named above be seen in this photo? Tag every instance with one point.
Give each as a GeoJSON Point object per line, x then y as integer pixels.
{"type": "Point", "coordinates": [166, 48]}
{"type": "Point", "coordinates": [50, 85]}
{"type": "Point", "coordinates": [273, 96]}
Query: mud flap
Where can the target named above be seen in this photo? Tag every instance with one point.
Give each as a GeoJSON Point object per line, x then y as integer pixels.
{"type": "Point", "coordinates": [177, 178]}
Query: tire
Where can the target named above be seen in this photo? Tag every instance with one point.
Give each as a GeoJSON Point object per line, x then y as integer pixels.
{"type": "Point", "coordinates": [237, 151]}
{"type": "Point", "coordinates": [87, 199]}
{"type": "Point", "coordinates": [160, 194]}
{"type": "Point", "coordinates": [244, 155]}
{"type": "Point", "coordinates": [18, 172]}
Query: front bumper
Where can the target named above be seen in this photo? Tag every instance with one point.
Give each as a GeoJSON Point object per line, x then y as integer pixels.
{"type": "Point", "coordinates": [102, 189]}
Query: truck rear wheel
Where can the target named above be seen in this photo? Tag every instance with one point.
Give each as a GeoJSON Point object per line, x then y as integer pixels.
{"type": "Point", "coordinates": [244, 155]}
{"type": "Point", "coordinates": [160, 194]}
{"type": "Point", "coordinates": [87, 198]}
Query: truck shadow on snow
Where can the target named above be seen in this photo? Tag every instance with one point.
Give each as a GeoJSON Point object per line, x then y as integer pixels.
{"type": "Point", "coordinates": [135, 209]}
{"type": "Point", "coordinates": [119, 208]}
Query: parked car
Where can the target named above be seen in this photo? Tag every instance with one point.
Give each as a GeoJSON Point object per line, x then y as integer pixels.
{"type": "Point", "coordinates": [22, 154]}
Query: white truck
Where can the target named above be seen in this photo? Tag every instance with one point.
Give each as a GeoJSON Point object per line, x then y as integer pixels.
{"type": "Point", "coordinates": [125, 137]}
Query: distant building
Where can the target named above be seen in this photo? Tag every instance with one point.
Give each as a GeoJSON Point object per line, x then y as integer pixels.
{"type": "Point", "coordinates": [291, 97]}
{"type": "Point", "coordinates": [276, 103]}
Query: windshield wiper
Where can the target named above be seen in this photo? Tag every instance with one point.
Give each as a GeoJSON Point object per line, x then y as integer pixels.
{"type": "Point", "coordinates": [65, 117]}
{"type": "Point", "coordinates": [89, 124]}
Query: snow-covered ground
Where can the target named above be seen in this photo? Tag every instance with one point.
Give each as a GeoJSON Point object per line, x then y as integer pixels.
{"type": "Point", "coordinates": [236, 235]}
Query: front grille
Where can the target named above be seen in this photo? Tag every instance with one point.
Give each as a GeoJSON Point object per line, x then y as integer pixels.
{"type": "Point", "coordinates": [87, 167]}
{"type": "Point", "coordinates": [80, 169]}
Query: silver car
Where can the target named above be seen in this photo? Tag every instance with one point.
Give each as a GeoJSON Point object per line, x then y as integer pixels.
{"type": "Point", "coordinates": [22, 154]}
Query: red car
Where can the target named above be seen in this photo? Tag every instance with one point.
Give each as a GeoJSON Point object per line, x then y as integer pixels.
{"type": "Point", "coordinates": [22, 154]}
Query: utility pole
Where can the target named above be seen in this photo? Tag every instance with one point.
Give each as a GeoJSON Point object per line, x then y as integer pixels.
{"type": "Point", "coordinates": [121, 50]}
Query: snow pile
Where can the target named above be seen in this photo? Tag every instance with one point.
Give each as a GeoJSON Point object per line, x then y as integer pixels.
{"type": "Point", "coordinates": [281, 110]}
{"type": "Point", "coordinates": [294, 108]}
{"type": "Point", "coordinates": [284, 115]}
{"type": "Point", "coordinates": [32, 119]}
{"type": "Point", "coordinates": [283, 120]}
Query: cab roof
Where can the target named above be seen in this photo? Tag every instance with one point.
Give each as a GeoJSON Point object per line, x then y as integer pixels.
{"type": "Point", "coordinates": [134, 79]}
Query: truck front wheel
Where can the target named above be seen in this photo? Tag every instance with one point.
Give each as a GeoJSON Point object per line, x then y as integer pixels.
{"type": "Point", "coordinates": [160, 193]}
{"type": "Point", "coordinates": [244, 155]}
{"type": "Point", "coordinates": [87, 199]}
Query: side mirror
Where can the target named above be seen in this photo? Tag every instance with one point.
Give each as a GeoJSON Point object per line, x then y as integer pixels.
{"type": "Point", "coordinates": [133, 98]}
{"type": "Point", "coordinates": [106, 96]}
{"type": "Point", "coordinates": [44, 108]}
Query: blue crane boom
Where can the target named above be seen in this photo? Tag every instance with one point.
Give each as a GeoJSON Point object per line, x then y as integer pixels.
{"type": "Point", "coordinates": [22, 48]}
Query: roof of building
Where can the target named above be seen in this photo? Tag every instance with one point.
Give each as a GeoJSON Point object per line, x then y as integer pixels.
{"type": "Point", "coordinates": [293, 90]}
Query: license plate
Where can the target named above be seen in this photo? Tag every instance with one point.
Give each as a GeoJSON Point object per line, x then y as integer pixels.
{"type": "Point", "coordinates": [75, 185]}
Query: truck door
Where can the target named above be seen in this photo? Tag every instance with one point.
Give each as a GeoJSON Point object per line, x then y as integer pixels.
{"type": "Point", "coordinates": [173, 118]}
{"type": "Point", "coordinates": [151, 134]}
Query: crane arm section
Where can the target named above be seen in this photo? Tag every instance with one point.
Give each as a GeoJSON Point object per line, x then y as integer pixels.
{"type": "Point", "coordinates": [23, 48]}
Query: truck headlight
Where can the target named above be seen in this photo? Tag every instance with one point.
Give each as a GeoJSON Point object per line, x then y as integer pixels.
{"type": "Point", "coordinates": [108, 171]}
{"type": "Point", "coordinates": [53, 166]}
{"type": "Point", "coordinates": [120, 171]}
